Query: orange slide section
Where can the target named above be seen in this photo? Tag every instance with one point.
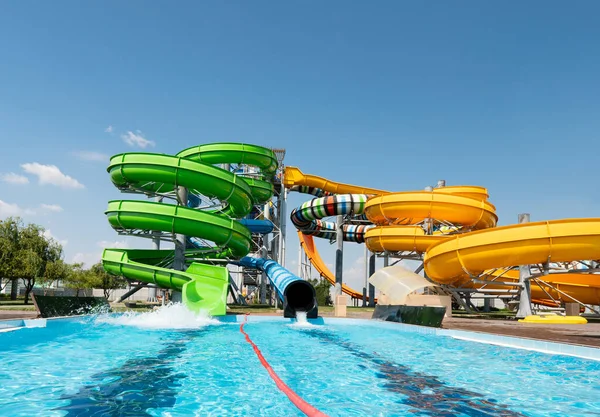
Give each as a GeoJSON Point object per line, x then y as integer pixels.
{"type": "Point", "coordinates": [580, 286]}
{"type": "Point", "coordinates": [308, 244]}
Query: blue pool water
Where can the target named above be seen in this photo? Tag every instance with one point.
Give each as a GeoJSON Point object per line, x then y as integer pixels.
{"type": "Point", "coordinates": [171, 364]}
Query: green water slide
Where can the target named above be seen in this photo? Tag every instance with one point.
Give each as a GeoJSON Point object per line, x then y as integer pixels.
{"type": "Point", "coordinates": [203, 286]}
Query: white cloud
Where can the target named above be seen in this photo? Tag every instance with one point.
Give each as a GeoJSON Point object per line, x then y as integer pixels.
{"type": "Point", "coordinates": [51, 207]}
{"type": "Point", "coordinates": [355, 275]}
{"type": "Point", "coordinates": [48, 235]}
{"type": "Point", "coordinates": [50, 174]}
{"type": "Point", "coordinates": [119, 244]}
{"type": "Point", "coordinates": [87, 259]}
{"type": "Point", "coordinates": [13, 178]}
{"type": "Point", "coordinates": [8, 210]}
{"type": "Point", "coordinates": [109, 129]}
{"type": "Point", "coordinates": [136, 139]}
{"type": "Point", "coordinates": [90, 258]}
{"type": "Point", "coordinates": [90, 156]}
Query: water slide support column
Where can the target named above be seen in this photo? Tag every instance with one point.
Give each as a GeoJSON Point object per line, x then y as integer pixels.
{"type": "Point", "coordinates": [282, 219]}
{"type": "Point", "coordinates": [263, 279]}
{"type": "Point", "coordinates": [179, 261]}
{"type": "Point", "coordinates": [180, 243]}
{"type": "Point", "coordinates": [339, 256]}
{"type": "Point", "coordinates": [371, 286]}
{"type": "Point", "coordinates": [300, 261]}
{"type": "Point", "coordinates": [364, 292]}
{"type": "Point", "coordinates": [156, 246]}
{"type": "Point", "coordinates": [524, 275]}
{"type": "Point", "coordinates": [340, 299]}
{"type": "Point", "coordinates": [571, 309]}
{"type": "Point", "coordinates": [133, 291]}
{"type": "Point", "coordinates": [267, 244]}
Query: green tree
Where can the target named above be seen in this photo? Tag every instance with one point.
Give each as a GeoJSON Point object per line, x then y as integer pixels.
{"type": "Point", "coordinates": [9, 238]}
{"type": "Point", "coordinates": [78, 278]}
{"type": "Point", "coordinates": [322, 289]}
{"type": "Point", "coordinates": [35, 252]}
{"type": "Point", "coordinates": [25, 252]}
{"type": "Point", "coordinates": [107, 282]}
{"type": "Point", "coordinates": [55, 271]}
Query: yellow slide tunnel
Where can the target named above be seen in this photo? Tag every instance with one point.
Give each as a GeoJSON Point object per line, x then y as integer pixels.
{"type": "Point", "coordinates": [452, 260]}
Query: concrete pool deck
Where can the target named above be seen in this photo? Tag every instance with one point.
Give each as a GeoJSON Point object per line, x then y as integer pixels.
{"type": "Point", "coordinates": [17, 314]}
{"type": "Point", "coordinates": [579, 334]}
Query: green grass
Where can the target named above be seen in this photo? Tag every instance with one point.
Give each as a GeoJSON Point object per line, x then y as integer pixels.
{"type": "Point", "coordinates": [123, 309]}
{"type": "Point", "coordinates": [17, 302]}
{"type": "Point", "coordinates": [253, 308]}
{"type": "Point", "coordinates": [256, 308]}
{"type": "Point", "coordinates": [329, 309]}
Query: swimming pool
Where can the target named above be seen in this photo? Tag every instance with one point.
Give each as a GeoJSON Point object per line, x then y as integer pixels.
{"type": "Point", "coordinates": [156, 365]}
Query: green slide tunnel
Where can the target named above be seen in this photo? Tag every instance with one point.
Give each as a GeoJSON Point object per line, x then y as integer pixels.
{"type": "Point", "coordinates": [203, 286]}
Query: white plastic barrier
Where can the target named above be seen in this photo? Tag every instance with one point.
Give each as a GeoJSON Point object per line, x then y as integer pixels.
{"type": "Point", "coordinates": [396, 282]}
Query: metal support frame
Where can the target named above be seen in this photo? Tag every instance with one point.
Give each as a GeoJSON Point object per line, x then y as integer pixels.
{"type": "Point", "coordinates": [272, 245]}
{"type": "Point", "coordinates": [180, 241]}
{"type": "Point", "coordinates": [263, 279]}
{"type": "Point", "coordinates": [282, 225]}
{"type": "Point", "coordinates": [156, 246]}
{"type": "Point", "coordinates": [305, 265]}
{"type": "Point", "coordinates": [339, 256]}
{"type": "Point", "coordinates": [524, 275]}
{"type": "Point", "coordinates": [366, 285]}
{"type": "Point", "coordinates": [133, 291]}
{"type": "Point", "coordinates": [457, 297]}
{"type": "Point", "coordinates": [568, 296]}
{"type": "Point", "coordinates": [371, 272]}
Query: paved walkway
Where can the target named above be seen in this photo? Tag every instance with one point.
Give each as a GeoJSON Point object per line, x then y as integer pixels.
{"type": "Point", "coordinates": [580, 334]}
{"type": "Point", "coordinates": [17, 314]}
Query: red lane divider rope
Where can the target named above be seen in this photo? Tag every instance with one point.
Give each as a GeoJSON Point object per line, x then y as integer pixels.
{"type": "Point", "coordinates": [302, 405]}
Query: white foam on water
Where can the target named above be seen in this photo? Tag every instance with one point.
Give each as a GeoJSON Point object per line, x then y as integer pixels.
{"type": "Point", "coordinates": [301, 320]}
{"type": "Point", "coordinates": [170, 316]}
{"type": "Point", "coordinates": [301, 317]}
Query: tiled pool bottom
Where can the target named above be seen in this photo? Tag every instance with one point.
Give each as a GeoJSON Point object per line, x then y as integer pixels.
{"type": "Point", "coordinates": [341, 366]}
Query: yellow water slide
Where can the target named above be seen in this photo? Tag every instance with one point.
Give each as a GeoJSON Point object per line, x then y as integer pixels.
{"type": "Point", "coordinates": [455, 228]}
{"type": "Point", "coordinates": [293, 176]}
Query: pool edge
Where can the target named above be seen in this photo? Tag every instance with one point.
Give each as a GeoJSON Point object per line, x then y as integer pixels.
{"type": "Point", "coordinates": [515, 342]}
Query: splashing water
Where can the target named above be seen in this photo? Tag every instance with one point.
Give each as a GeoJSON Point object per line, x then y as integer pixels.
{"type": "Point", "coordinates": [170, 316]}
{"type": "Point", "coordinates": [301, 320]}
{"type": "Point", "coordinates": [301, 317]}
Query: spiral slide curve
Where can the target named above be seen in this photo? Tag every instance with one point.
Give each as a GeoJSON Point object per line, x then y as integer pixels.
{"type": "Point", "coordinates": [332, 198]}
{"type": "Point", "coordinates": [472, 246]}
{"type": "Point", "coordinates": [203, 286]}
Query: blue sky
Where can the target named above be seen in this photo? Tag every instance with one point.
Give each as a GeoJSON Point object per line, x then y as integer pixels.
{"type": "Point", "coordinates": [392, 95]}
